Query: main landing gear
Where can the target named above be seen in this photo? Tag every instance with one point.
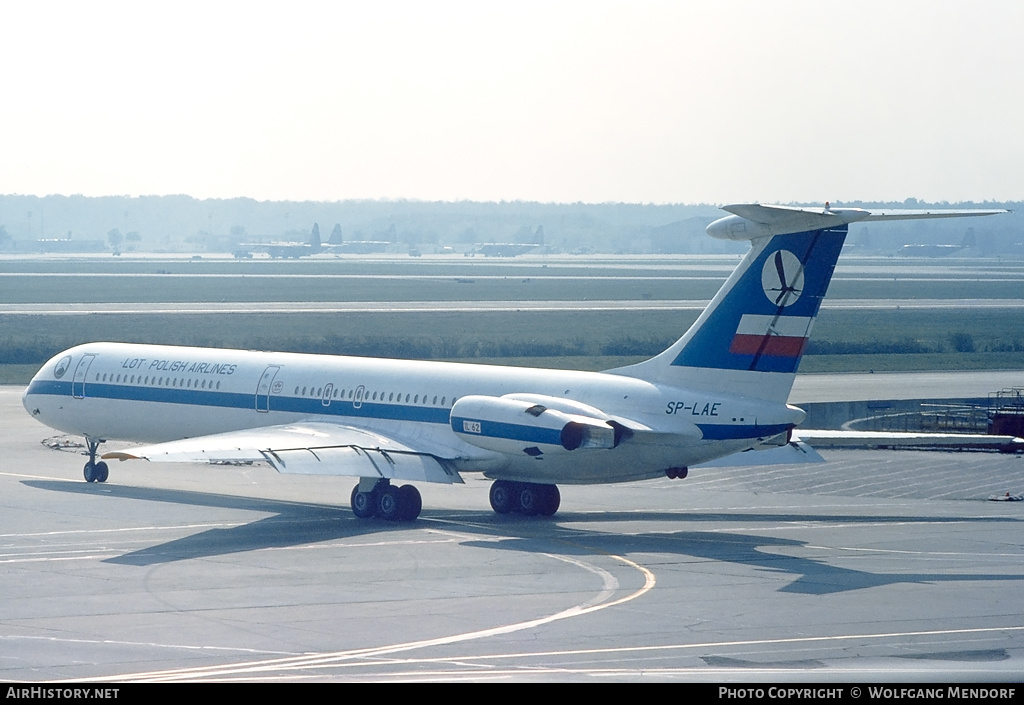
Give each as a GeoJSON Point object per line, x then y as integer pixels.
{"type": "Point", "coordinates": [93, 471]}
{"type": "Point", "coordinates": [386, 501]}
{"type": "Point", "coordinates": [527, 498]}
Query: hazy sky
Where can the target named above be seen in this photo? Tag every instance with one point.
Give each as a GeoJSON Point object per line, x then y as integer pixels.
{"type": "Point", "coordinates": [680, 102]}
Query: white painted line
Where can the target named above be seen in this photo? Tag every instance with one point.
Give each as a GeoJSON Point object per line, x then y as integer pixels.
{"type": "Point", "coordinates": [329, 659]}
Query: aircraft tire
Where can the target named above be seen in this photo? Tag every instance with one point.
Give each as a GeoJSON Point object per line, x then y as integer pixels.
{"type": "Point", "coordinates": [409, 502]}
{"type": "Point", "coordinates": [531, 498]}
{"type": "Point", "coordinates": [364, 504]}
{"type": "Point", "coordinates": [551, 499]}
{"type": "Point", "coordinates": [89, 472]}
{"type": "Point", "coordinates": [389, 504]}
{"type": "Point", "coordinates": [101, 471]}
{"type": "Point", "coordinates": [503, 496]}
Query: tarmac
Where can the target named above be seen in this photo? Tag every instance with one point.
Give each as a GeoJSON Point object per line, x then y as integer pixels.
{"type": "Point", "coordinates": [875, 566]}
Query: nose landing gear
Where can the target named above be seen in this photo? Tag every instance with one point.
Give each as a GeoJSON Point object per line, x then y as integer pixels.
{"type": "Point", "coordinates": [93, 471]}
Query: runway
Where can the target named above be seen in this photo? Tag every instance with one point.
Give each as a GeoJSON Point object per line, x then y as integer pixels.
{"type": "Point", "coordinates": [874, 566]}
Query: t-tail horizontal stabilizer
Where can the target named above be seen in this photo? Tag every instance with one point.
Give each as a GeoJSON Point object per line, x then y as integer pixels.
{"type": "Point", "coordinates": [754, 220]}
{"type": "Point", "coordinates": [749, 340]}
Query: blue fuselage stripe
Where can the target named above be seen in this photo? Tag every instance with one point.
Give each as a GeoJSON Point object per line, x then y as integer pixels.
{"type": "Point", "coordinates": [234, 400]}
{"type": "Point", "coordinates": [314, 406]}
{"type": "Point", "coordinates": [722, 432]}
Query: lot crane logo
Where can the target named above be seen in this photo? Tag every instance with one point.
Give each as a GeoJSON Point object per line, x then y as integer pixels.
{"type": "Point", "coordinates": [62, 366]}
{"type": "Point", "coordinates": [782, 278]}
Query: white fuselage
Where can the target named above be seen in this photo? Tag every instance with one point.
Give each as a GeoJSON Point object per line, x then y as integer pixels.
{"type": "Point", "coordinates": [153, 394]}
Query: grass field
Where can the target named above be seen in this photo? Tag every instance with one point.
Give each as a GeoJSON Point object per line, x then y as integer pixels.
{"type": "Point", "coordinates": [83, 288]}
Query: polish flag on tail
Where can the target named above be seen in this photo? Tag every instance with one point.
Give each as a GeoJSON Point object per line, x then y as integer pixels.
{"type": "Point", "coordinates": [776, 336]}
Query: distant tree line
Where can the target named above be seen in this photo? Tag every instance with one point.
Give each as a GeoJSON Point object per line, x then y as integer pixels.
{"type": "Point", "coordinates": [177, 222]}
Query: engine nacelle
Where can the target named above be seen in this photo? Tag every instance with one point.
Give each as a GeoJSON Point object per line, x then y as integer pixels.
{"type": "Point", "coordinates": [515, 426]}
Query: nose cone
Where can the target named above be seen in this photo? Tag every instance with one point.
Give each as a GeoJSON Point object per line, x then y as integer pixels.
{"type": "Point", "coordinates": [28, 397]}
{"type": "Point", "coordinates": [56, 371]}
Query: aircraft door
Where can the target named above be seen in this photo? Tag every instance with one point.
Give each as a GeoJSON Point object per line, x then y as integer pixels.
{"type": "Point", "coordinates": [265, 388]}
{"type": "Point", "coordinates": [81, 372]}
{"type": "Point", "coordinates": [328, 390]}
{"type": "Point", "coordinates": [358, 401]}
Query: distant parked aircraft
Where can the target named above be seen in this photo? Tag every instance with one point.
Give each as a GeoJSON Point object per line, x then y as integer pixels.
{"type": "Point", "coordinates": [929, 250]}
{"type": "Point", "coordinates": [294, 250]}
{"type": "Point", "coordinates": [511, 249]}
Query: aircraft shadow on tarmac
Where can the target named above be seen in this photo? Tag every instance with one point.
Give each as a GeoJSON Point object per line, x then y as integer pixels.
{"type": "Point", "coordinates": [296, 524]}
{"type": "Point", "coordinates": [814, 577]}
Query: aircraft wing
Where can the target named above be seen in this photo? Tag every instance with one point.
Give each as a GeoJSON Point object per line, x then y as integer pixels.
{"type": "Point", "coordinates": [798, 451]}
{"type": "Point", "coordinates": [793, 453]}
{"type": "Point", "coordinates": [908, 441]}
{"type": "Point", "coordinates": [312, 448]}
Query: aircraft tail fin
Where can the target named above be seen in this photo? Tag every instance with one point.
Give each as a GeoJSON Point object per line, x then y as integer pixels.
{"type": "Point", "coordinates": [751, 337]}
{"type": "Point", "coordinates": [335, 238]}
{"type": "Point", "coordinates": [969, 240]}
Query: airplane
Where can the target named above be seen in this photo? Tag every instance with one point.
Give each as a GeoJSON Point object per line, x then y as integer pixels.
{"type": "Point", "coordinates": [283, 250]}
{"type": "Point", "coordinates": [933, 250]}
{"type": "Point", "coordinates": [506, 249]}
{"type": "Point", "coordinates": [295, 250]}
{"type": "Point", "coordinates": [336, 244]}
{"type": "Point", "coordinates": [720, 389]}
{"type": "Point", "coordinates": [512, 249]}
